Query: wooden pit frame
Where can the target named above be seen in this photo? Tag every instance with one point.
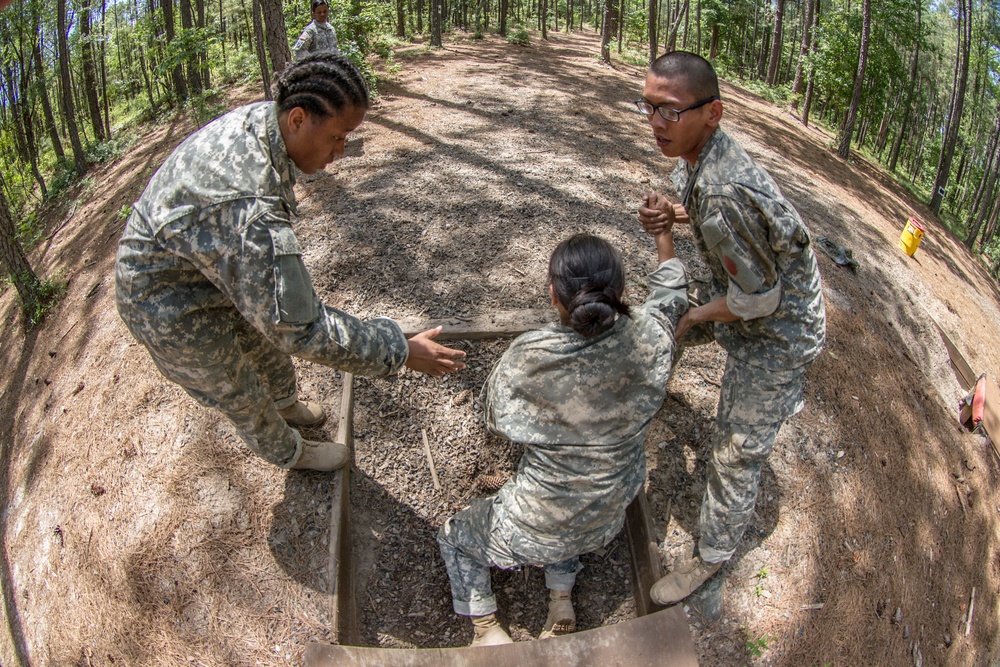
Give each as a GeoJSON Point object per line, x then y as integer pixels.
{"type": "Point", "coordinates": [657, 636]}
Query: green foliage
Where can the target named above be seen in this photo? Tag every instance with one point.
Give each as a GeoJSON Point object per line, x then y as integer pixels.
{"type": "Point", "coordinates": [106, 151]}
{"type": "Point", "coordinates": [757, 645]}
{"type": "Point", "coordinates": [51, 292]}
{"type": "Point", "coordinates": [761, 576]}
{"type": "Point", "coordinates": [519, 36]}
{"type": "Point", "coordinates": [207, 106]}
{"type": "Point", "coordinates": [29, 230]}
{"type": "Point", "coordinates": [64, 178]}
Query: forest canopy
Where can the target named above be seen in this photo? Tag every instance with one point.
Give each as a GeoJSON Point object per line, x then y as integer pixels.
{"type": "Point", "coordinates": [912, 84]}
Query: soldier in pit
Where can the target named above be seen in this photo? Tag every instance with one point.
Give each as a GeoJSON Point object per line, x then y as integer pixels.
{"type": "Point", "coordinates": [209, 275]}
{"type": "Point", "coordinates": [580, 395]}
{"type": "Point", "coordinates": [763, 304]}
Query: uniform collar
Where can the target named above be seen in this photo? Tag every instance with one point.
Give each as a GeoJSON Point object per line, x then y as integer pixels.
{"type": "Point", "coordinates": [279, 157]}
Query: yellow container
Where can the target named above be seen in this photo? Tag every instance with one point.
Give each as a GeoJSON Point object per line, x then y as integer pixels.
{"type": "Point", "coordinates": [910, 238]}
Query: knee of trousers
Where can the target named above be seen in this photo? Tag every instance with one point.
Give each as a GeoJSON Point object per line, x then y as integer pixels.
{"type": "Point", "coordinates": [744, 444]}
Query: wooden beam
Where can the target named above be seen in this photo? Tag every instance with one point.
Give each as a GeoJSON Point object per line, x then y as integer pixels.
{"type": "Point", "coordinates": [497, 325]}
{"type": "Point", "coordinates": [343, 612]}
{"type": "Point", "coordinates": [963, 371]}
{"type": "Point", "coordinates": [661, 639]}
{"type": "Point", "coordinates": [644, 552]}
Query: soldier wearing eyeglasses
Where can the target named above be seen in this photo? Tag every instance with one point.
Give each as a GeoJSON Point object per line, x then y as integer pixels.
{"type": "Point", "coordinates": [763, 303]}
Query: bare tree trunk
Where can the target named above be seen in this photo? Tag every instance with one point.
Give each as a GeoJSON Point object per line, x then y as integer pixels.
{"type": "Point", "coordinates": [607, 30]}
{"type": "Point", "coordinates": [897, 143]}
{"type": "Point", "coordinates": [68, 109]}
{"type": "Point", "coordinates": [277, 36]}
{"type": "Point", "coordinates": [652, 23]}
{"type": "Point", "coordinates": [772, 65]}
{"type": "Point", "coordinates": [807, 30]}
{"type": "Point", "coordinates": [258, 33]}
{"type": "Point", "coordinates": [401, 19]}
{"type": "Point", "coordinates": [672, 35]}
{"type": "Point", "coordinates": [957, 105]}
{"type": "Point", "coordinates": [89, 75]}
{"type": "Point", "coordinates": [104, 70]}
{"type": "Point", "coordinates": [436, 23]}
{"type": "Point", "coordinates": [986, 187]}
{"type": "Point", "coordinates": [844, 150]}
{"type": "Point", "coordinates": [43, 95]}
{"type": "Point", "coordinates": [28, 286]}
{"type": "Point", "coordinates": [177, 73]}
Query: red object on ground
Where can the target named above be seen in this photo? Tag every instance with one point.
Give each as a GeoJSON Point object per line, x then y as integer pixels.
{"type": "Point", "coordinates": [979, 401]}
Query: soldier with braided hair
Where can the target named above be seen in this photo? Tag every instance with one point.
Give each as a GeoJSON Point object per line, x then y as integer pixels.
{"type": "Point", "coordinates": [210, 279]}
{"type": "Point", "coordinates": [580, 395]}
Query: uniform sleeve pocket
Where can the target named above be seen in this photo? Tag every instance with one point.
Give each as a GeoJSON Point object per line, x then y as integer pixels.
{"type": "Point", "coordinates": [735, 259]}
{"type": "Point", "coordinates": [294, 299]}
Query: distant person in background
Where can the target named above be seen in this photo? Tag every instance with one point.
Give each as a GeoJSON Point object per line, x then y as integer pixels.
{"type": "Point", "coordinates": [764, 304]}
{"type": "Point", "coordinates": [210, 279]}
{"type": "Point", "coordinates": [580, 395]}
{"type": "Point", "coordinates": [319, 36]}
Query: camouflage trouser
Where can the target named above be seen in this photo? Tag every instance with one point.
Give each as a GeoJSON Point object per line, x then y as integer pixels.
{"type": "Point", "coordinates": [753, 404]}
{"type": "Point", "coordinates": [471, 543]}
{"type": "Point", "coordinates": [241, 374]}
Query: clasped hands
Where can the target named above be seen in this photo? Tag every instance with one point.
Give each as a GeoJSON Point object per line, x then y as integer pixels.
{"type": "Point", "coordinates": [658, 214]}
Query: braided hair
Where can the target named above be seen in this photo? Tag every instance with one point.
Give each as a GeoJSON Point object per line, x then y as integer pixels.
{"type": "Point", "coordinates": [324, 84]}
{"type": "Point", "coordinates": [588, 277]}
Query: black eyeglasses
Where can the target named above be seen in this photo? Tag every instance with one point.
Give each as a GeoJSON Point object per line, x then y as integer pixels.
{"type": "Point", "coordinates": [673, 115]}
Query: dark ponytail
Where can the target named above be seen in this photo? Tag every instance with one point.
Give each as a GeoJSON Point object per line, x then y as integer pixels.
{"type": "Point", "coordinates": [588, 277]}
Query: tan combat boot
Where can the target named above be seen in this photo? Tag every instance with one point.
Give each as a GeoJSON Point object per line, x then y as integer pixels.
{"type": "Point", "coordinates": [303, 413]}
{"type": "Point", "coordinates": [687, 575]}
{"type": "Point", "coordinates": [322, 456]}
{"type": "Point", "coordinates": [561, 619]}
{"type": "Point", "coordinates": [488, 631]}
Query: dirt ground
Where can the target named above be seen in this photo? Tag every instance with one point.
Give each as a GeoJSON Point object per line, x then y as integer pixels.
{"type": "Point", "coordinates": [138, 530]}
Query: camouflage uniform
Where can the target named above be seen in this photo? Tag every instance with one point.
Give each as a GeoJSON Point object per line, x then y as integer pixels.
{"type": "Point", "coordinates": [316, 38]}
{"type": "Point", "coordinates": [210, 279]}
{"type": "Point", "coordinates": [761, 260]}
{"type": "Point", "coordinates": [582, 407]}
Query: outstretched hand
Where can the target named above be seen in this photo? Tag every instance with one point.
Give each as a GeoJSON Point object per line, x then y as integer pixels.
{"type": "Point", "coordinates": [433, 358]}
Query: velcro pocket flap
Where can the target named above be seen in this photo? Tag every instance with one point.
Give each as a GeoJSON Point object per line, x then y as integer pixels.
{"type": "Point", "coordinates": [735, 259]}
{"type": "Point", "coordinates": [293, 291]}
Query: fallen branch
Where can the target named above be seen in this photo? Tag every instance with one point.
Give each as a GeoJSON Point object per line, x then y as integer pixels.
{"type": "Point", "coordinates": [430, 460]}
{"type": "Point", "coordinates": [972, 605]}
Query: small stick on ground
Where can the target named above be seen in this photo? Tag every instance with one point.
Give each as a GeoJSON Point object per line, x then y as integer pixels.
{"type": "Point", "coordinates": [968, 619]}
{"type": "Point", "coordinates": [430, 460]}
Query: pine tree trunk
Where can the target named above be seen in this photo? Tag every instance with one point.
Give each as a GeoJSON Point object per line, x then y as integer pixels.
{"type": "Point", "coordinates": [652, 23]}
{"type": "Point", "coordinates": [14, 260]}
{"type": "Point", "coordinates": [435, 23]}
{"type": "Point", "coordinates": [897, 143]}
{"type": "Point", "coordinates": [957, 106]}
{"type": "Point", "coordinates": [772, 65]}
{"type": "Point", "coordinates": [277, 36]}
{"type": "Point", "coordinates": [258, 34]}
{"type": "Point", "coordinates": [844, 150]}
{"type": "Point", "coordinates": [43, 95]}
{"type": "Point", "coordinates": [89, 73]}
{"type": "Point", "coordinates": [68, 108]}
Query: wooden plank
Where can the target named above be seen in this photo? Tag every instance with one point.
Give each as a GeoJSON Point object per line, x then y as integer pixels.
{"type": "Point", "coordinates": [644, 552]}
{"type": "Point", "coordinates": [661, 639]}
{"type": "Point", "coordinates": [499, 324]}
{"type": "Point", "coordinates": [343, 612]}
{"type": "Point", "coordinates": [991, 410]}
{"type": "Point", "coordinates": [963, 371]}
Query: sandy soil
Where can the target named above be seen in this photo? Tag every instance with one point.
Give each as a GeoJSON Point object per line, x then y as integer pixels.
{"type": "Point", "coordinates": [138, 530]}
